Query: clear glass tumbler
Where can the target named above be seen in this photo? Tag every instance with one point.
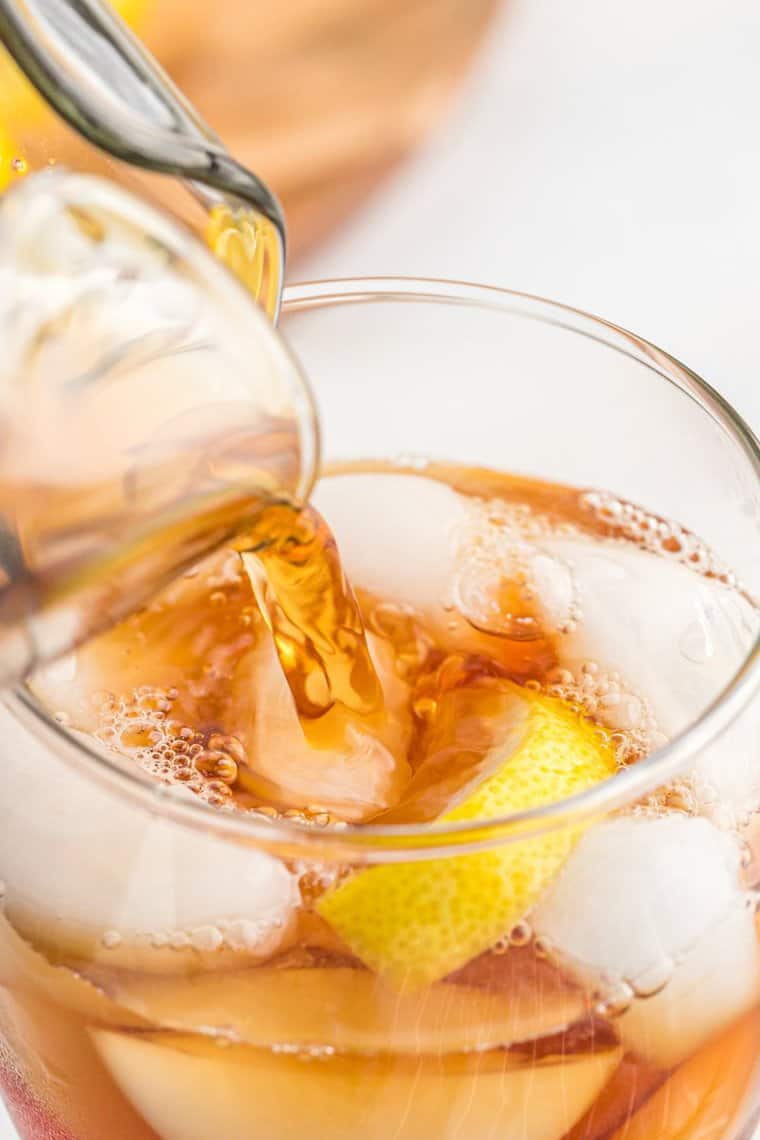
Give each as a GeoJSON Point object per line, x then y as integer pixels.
{"type": "Point", "coordinates": [162, 970]}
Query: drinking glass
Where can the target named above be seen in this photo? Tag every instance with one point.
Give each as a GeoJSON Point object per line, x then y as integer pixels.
{"type": "Point", "coordinates": [163, 971]}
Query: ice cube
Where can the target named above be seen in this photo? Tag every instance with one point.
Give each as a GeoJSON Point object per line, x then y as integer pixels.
{"type": "Point", "coordinates": [698, 1100]}
{"type": "Point", "coordinates": [714, 983]}
{"type": "Point", "coordinates": [90, 871]}
{"type": "Point", "coordinates": [673, 635]}
{"type": "Point", "coordinates": [396, 533]}
{"type": "Point", "coordinates": [361, 771]}
{"type": "Point", "coordinates": [674, 638]}
{"type": "Point", "coordinates": [658, 903]}
{"type": "Point", "coordinates": [513, 589]}
{"type": "Point", "coordinates": [505, 581]}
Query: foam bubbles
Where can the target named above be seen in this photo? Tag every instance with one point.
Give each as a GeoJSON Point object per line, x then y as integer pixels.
{"type": "Point", "coordinates": [138, 725]}
{"type": "Point", "coordinates": [655, 534]}
{"type": "Point", "coordinates": [605, 697]}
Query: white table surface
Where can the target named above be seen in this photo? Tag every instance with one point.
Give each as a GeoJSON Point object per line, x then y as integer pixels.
{"type": "Point", "coordinates": [615, 157]}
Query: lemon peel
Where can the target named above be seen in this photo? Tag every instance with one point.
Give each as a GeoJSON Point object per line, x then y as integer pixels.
{"type": "Point", "coordinates": [414, 923]}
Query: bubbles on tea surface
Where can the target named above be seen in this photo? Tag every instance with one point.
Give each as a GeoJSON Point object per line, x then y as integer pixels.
{"type": "Point", "coordinates": [194, 762]}
{"type": "Point", "coordinates": [605, 697]}
{"type": "Point", "coordinates": [520, 935]}
{"type": "Point", "coordinates": [239, 935]}
{"type": "Point", "coordinates": [219, 766]}
{"type": "Point", "coordinates": [206, 939]}
{"type": "Point", "coordinates": [138, 724]}
{"type": "Point", "coordinates": [315, 878]}
{"type": "Point", "coordinates": [304, 1053]}
{"type": "Point", "coordinates": [544, 947]}
{"type": "Point", "coordinates": [655, 534]}
{"type": "Point", "coordinates": [679, 797]}
{"type": "Point", "coordinates": [230, 745]}
{"type": "Point", "coordinates": [411, 460]}
{"type": "Point", "coordinates": [614, 999]}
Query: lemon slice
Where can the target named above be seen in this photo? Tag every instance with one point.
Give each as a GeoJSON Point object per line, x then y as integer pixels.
{"type": "Point", "coordinates": [414, 923]}
{"type": "Point", "coordinates": [186, 1087]}
{"type": "Point", "coordinates": [351, 1010]}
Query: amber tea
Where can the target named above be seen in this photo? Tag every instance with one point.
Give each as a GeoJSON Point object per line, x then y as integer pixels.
{"type": "Point", "coordinates": [474, 994]}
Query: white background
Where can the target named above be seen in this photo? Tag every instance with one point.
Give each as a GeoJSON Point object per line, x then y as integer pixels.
{"type": "Point", "coordinates": [606, 154]}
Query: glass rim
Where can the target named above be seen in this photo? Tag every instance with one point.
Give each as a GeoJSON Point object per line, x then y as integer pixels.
{"type": "Point", "coordinates": [396, 842]}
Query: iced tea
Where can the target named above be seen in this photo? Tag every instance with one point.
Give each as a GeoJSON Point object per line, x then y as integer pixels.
{"type": "Point", "coordinates": [504, 644]}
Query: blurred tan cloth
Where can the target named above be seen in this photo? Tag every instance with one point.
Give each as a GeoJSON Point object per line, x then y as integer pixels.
{"type": "Point", "coordinates": [320, 97]}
